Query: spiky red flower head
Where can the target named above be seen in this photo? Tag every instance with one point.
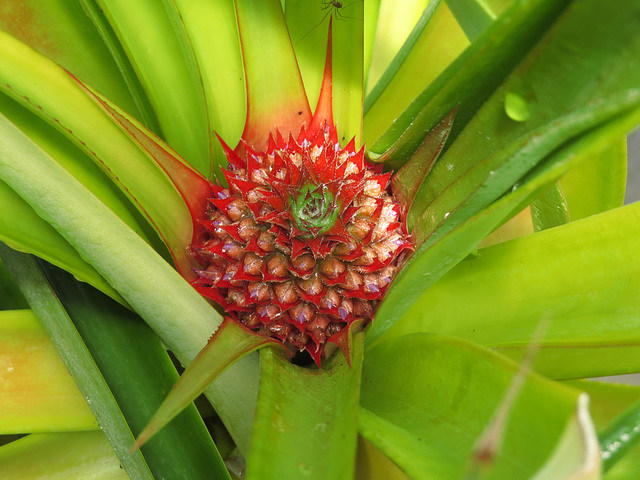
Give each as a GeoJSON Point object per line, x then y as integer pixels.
{"type": "Point", "coordinates": [303, 242]}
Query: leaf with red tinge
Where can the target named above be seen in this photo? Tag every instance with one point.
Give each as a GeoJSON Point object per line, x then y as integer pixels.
{"type": "Point", "coordinates": [194, 189]}
{"type": "Point", "coordinates": [231, 342]}
{"type": "Point", "coordinates": [324, 110]}
{"type": "Point", "coordinates": [275, 94]}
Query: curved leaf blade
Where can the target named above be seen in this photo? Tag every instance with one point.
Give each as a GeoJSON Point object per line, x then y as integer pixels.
{"type": "Point", "coordinates": [156, 48]}
{"type": "Point", "coordinates": [65, 455]}
{"type": "Point", "coordinates": [427, 398]}
{"type": "Point", "coordinates": [63, 32]}
{"type": "Point", "coordinates": [212, 33]}
{"type": "Point", "coordinates": [276, 97]}
{"type": "Point", "coordinates": [314, 413]}
{"type": "Point", "coordinates": [469, 80]}
{"type": "Point", "coordinates": [178, 314]}
{"type": "Point", "coordinates": [138, 372]}
{"type": "Point", "coordinates": [75, 356]}
{"type": "Point", "coordinates": [229, 343]}
{"type": "Point", "coordinates": [435, 41]}
{"type": "Point", "coordinates": [586, 289]}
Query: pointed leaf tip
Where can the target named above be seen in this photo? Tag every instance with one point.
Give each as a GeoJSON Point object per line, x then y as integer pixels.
{"type": "Point", "coordinates": [324, 108]}
{"type": "Point", "coordinates": [228, 344]}
{"type": "Point", "coordinates": [407, 181]}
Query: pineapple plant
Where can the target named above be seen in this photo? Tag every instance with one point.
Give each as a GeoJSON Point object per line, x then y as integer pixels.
{"type": "Point", "coordinates": [356, 224]}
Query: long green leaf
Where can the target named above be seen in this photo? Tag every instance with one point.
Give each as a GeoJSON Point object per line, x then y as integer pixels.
{"type": "Point", "coordinates": [63, 32]}
{"type": "Point", "coordinates": [586, 290]}
{"type": "Point", "coordinates": [38, 394]}
{"type": "Point", "coordinates": [212, 32]}
{"type": "Point", "coordinates": [79, 165]}
{"type": "Point", "coordinates": [470, 79]}
{"type": "Point", "coordinates": [599, 183]}
{"type": "Point", "coordinates": [231, 342]}
{"type": "Point", "coordinates": [426, 399]}
{"type": "Point", "coordinates": [157, 50]}
{"type": "Point", "coordinates": [485, 134]}
{"type": "Point", "coordinates": [23, 229]}
{"type": "Point", "coordinates": [59, 100]}
{"type": "Point", "coordinates": [111, 41]}
{"type": "Point", "coordinates": [139, 372]}
{"type": "Point", "coordinates": [620, 436]}
{"type": "Point", "coordinates": [306, 419]}
{"type": "Point", "coordinates": [423, 270]}
{"type": "Point", "coordinates": [72, 456]}
{"type": "Point", "coordinates": [276, 97]}
{"type": "Point", "coordinates": [178, 314]}
{"type": "Point", "coordinates": [435, 41]}
{"type": "Point", "coordinates": [76, 357]}
{"type": "Point", "coordinates": [573, 54]}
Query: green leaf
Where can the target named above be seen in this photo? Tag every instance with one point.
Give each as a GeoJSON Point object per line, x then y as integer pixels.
{"type": "Point", "coordinates": [470, 79]}
{"type": "Point", "coordinates": [79, 455]}
{"type": "Point", "coordinates": [63, 32]}
{"type": "Point", "coordinates": [23, 229]}
{"type": "Point", "coordinates": [176, 312]}
{"type": "Point", "coordinates": [598, 184]}
{"type": "Point", "coordinates": [167, 71]}
{"type": "Point", "coordinates": [74, 160]}
{"type": "Point", "coordinates": [586, 290]}
{"type": "Point", "coordinates": [549, 209]}
{"type": "Point", "coordinates": [551, 79]}
{"type": "Point", "coordinates": [212, 33]}
{"type": "Point", "coordinates": [105, 142]}
{"type": "Point", "coordinates": [76, 357]}
{"type": "Point", "coordinates": [139, 372]}
{"type": "Point", "coordinates": [435, 41]}
{"type": "Point", "coordinates": [426, 399]}
{"type": "Point", "coordinates": [276, 96]}
{"type": "Point", "coordinates": [482, 136]}
{"type": "Point", "coordinates": [38, 394]}
{"type": "Point", "coordinates": [111, 41]}
{"type": "Point", "coordinates": [231, 342]}
{"type": "Point", "coordinates": [10, 296]}
{"type": "Point", "coordinates": [476, 15]}
{"type": "Point", "coordinates": [306, 420]}
{"type": "Point", "coordinates": [371, 18]}
{"type": "Point", "coordinates": [372, 464]}
{"type": "Point", "coordinates": [620, 436]}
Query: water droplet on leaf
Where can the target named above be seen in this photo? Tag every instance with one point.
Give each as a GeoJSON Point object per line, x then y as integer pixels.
{"type": "Point", "coordinates": [516, 107]}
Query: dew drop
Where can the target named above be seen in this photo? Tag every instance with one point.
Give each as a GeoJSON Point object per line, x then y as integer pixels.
{"type": "Point", "coordinates": [516, 107]}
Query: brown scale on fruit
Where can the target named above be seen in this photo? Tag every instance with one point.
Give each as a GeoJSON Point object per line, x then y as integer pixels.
{"type": "Point", "coordinates": [303, 242]}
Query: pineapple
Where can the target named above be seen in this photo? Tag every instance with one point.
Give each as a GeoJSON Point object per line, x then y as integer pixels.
{"type": "Point", "coordinates": [305, 240]}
